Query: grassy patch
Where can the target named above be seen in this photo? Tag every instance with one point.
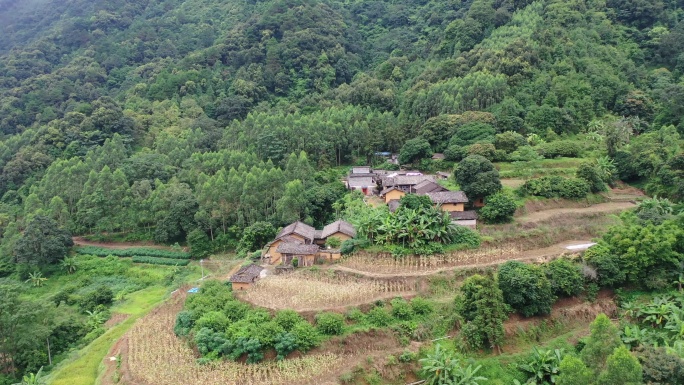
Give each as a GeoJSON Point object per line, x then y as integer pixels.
{"type": "Point", "coordinates": [83, 366]}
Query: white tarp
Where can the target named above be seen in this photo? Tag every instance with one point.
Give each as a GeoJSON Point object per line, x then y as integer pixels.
{"type": "Point", "coordinates": [583, 246]}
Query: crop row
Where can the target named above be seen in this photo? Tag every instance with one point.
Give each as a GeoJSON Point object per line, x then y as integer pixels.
{"type": "Point", "coordinates": [132, 252]}
{"type": "Point", "coordinates": [160, 261]}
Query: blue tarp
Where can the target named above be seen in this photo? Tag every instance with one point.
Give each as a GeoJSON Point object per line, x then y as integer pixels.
{"type": "Point", "coordinates": [194, 290]}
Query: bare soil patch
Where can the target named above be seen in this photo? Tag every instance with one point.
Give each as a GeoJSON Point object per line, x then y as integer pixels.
{"type": "Point", "coordinates": [115, 319]}
{"type": "Point", "coordinates": [594, 209]}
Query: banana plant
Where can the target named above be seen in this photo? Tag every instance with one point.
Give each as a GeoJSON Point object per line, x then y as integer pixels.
{"type": "Point", "coordinates": [544, 366]}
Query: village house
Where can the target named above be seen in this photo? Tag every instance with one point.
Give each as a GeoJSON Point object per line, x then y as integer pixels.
{"type": "Point", "coordinates": [365, 184]}
{"type": "Point", "coordinates": [449, 201]}
{"type": "Point", "coordinates": [405, 182]}
{"type": "Point", "coordinates": [245, 277]}
{"type": "Point", "coordinates": [441, 175]}
{"type": "Point", "coordinates": [464, 218]}
{"type": "Point", "coordinates": [427, 186]}
{"type": "Point", "coordinates": [339, 229]}
{"type": "Point", "coordinates": [303, 242]}
{"type": "Point", "coordinates": [392, 193]}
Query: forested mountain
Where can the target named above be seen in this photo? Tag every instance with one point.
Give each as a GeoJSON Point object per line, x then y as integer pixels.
{"type": "Point", "coordinates": [167, 117]}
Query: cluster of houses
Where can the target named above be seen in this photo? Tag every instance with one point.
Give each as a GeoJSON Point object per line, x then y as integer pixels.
{"type": "Point", "coordinates": [392, 185]}
{"type": "Point", "coordinates": [296, 242]}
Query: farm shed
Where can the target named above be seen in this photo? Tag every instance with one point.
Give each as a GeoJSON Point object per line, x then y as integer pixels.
{"type": "Point", "coordinates": [464, 218]}
{"type": "Point", "coordinates": [340, 229]}
{"type": "Point", "coordinates": [246, 276]}
{"type": "Point", "coordinates": [305, 254]}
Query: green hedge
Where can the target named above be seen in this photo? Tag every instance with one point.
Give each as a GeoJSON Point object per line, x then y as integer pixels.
{"type": "Point", "coordinates": [161, 261]}
{"type": "Point", "coordinates": [556, 187]}
{"type": "Point", "coordinates": [132, 252]}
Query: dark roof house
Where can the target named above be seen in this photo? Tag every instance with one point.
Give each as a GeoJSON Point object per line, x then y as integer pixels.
{"type": "Point", "coordinates": [448, 197]}
{"type": "Point", "coordinates": [405, 180]}
{"type": "Point", "coordinates": [360, 182]}
{"type": "Point", "coordinates": [338, 227]}
{"type": "Point", "coordinates": [298, 228]}
{"type": "Point", "coordinates": [247, 274]}
{"type": "Point", "coordinates": [388, 189]}
{"type": "Point", "coordinates": [427, 186]}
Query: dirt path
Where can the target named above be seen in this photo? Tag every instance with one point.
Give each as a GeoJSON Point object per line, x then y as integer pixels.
{"type": "Point", "coordinates": [598, 208]}
{"type": "Point", "coordinates": [529, 255]}
{"type": "Point", "coordinates": [80, 241]}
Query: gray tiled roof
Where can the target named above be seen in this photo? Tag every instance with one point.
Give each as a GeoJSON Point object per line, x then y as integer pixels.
{"type": "Point", "coordinates": [427, 186]}
{"type": "Point", "coordinates": [298, 228]}
{"type": "Point", "coordinates": [448, 197]}
{"type": "Point", "coordinates": [364, 181]}
{"type": "Point", "coordinates": [246, 274]}
{"type": "Point", "coordinates": [463, 215]}
{"type": "Point", "coordinates": [361, 170]}
{"type": "Point", "coordinates": [405, 180]}
{"type": "Point", "coordinates": [338, 226]}
{"type": "Point", "coordinates": [297, 248]}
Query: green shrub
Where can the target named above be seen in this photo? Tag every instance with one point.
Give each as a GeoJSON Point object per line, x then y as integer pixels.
{"type": "Point", "coordinates": [132, 252]}
{"type": "Point", "coordinates": [499, 209]}
{"type": "Point", "coordinates": [330, 323]}
{"type": "Point", "coordinates": [421, 306]}
{"type": "Point", "coordinates": [556, 187]}
{"type": "Point", "coordinates": [99, 296]}
{"type": "Point", "coordinates": [356, 315]}
{"type": "Point", "coordinates": [590, 173]}
{"type": "Point", "coordinates": [285, 344]}
{"type": "Point", "coordinates": [565, 277]}
{"type": "Point", "coordinates": [525, 288]}
{"type": "Point", "coordinates": [608, 266]}
{"type": "Point", "coordinates": [161, 261]}
{"type": "Point", "coordinates": [401, 309]}
{"type": "Point", "coordinates": [268, 333]}
{"type": "Point", "coordinates": [560, 148]}
{"type": "Point", "coordinates": [185, 320]}
{"type": "Point", "coordinates": [214, 320]}
{"type": "Point", "coordinates": [466, 237]}
{"type": "Point", "coordinates": [287, 319]}
{"type": "Point", "coordinates": [379, 317]}
{"type": "Point", "coordinates": [509, 141]}
{"type": "Point", "coordinates": [306, 336]}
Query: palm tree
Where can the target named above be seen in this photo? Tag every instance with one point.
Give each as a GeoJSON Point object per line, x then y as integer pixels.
{"type": "Point", "coordinates": [36, 278]}
{"type": "Point", "coordinates": [33, 379]}
{"type": "Point", "coordinates": [69, 264]}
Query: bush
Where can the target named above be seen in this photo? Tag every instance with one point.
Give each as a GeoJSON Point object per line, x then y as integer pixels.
{"type": "Point", "coordinates": [401, 309]}
{"type": "Point", "coordinates": [268, 333]}
{"type": "Point", "coordinates": [287, 319]}
{"type": "Point", "coordinates": [590, 173]}
{"type": "Point", "coordinates": [467, 237]}
{"type": "Point", "coordinates": [524, 154]}
{"type": "Point", "coordinates": [214, 320]}
{"type": "Point", "coordinates": [421, 306]}
{"type": "Point", "coordinates": [560, 148]}
{"type": "Point", "coordinates": [306, 336]}
{"type": "Point", "coordinates": [351, 245]}
{"type": "Point", "coordinates": [608, 266]}
{"type": "Point", "coordinates": [161, 261]}
{"type": "Point", "coordinates": [455, 153]}
{"type": "Point", "coordinates": [660, 367]}
{"type": "Point", "coordinates": [525, 288]}
{"type": "Point", "coordinates": [565, 277]}
{"type": "Point", "coordinates": [99, 296]}
{"type": "Point", "coordinates": [379, 317]}
{"type": "Point", "coordinates": [499, 209]}
{"type": "Point", "coordinates": [330, 323]}
{"type": "Point", "coordinates": [185, 320]}
{"type": "Point", "coordinates": [286, 343]}
{"type": "Point", "coordinates": [486, 150]}
{"type": "Point", "coordinates": [556, 187]}
{"type": "Point", "coordinates": [509, 141]}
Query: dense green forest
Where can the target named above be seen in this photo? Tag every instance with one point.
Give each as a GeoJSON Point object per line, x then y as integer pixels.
{"type": "Point", "coordinates": [191, 121]}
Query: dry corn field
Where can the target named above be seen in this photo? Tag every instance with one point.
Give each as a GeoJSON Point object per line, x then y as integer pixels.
{"type": "Point", "coordinates": [387, 264]}
{"type": "Point", "coordinates": [156, 357]}
{"type": "Point", "coordinates": [304, 291]}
